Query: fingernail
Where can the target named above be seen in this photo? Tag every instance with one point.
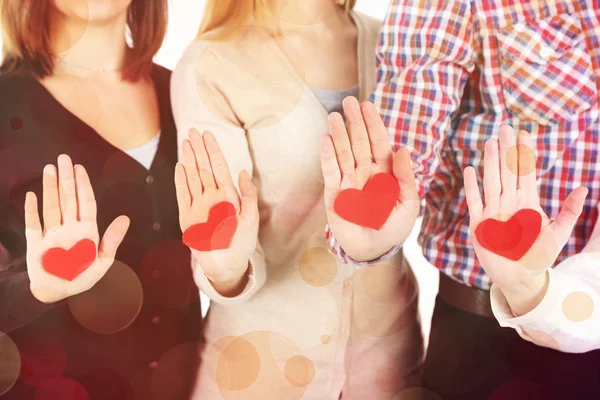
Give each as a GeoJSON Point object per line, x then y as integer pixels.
{"type": "Point", "coordinates": [48, 169]}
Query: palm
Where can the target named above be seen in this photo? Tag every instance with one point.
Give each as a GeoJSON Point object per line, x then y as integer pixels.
{"type": "Point", "coordinates": [507, 190]}
{"type": "Point", "coordinates": [64, 236]}
{"type": "Point", "coordinates": [69, 217]}
{"type": "Point", "coordinates": [349, 159]}
{"type": "Point", "coordinates": [203, 181]}
{"type": "Point", "coordinates": [351, 235]}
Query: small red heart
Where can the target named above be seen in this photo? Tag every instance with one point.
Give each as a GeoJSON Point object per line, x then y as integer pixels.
{"type": "Point", "coordinates": [513, 238]}
{"type": "Point", "coordinates": [216, 233]}
{"type": "Point", "coordinates": [68, 264]}
{"type": "Point", "coordinates": [371, 206]}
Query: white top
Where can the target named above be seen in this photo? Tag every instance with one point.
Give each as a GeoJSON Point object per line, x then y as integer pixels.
{"type": "Point", "coordinates": [568, 317]}
{"type": "Point", "coordinates": [145, 153]}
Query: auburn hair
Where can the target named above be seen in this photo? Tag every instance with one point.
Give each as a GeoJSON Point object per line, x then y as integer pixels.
{"type": "Point", "coordinates": [26, 37]}
{"type": "Point", "coordinates": [227, 18]}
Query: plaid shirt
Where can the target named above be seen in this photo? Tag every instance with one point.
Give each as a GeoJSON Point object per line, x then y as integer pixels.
{"type": "Point", "coordinates": [451, 72]}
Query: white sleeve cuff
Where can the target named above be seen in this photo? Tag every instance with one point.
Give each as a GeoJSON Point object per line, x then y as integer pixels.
{"type": "Point", "coordinates": [256, 278]}
{"type": "Point", "coordinates": [568, 317]}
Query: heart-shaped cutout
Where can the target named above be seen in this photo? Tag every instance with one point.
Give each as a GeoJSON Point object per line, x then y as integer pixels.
{"type": "Point", "coordinates": [371, 206]}
{"type": "Point", "coordinates": [69, 264]}
{"type": "Point", "coordinates": [216, 233]}
{"type": "Point", "coordinates": [513, 238]}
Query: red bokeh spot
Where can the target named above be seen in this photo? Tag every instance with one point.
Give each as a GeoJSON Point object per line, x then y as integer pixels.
{"type": "Point", "coordinates": [61, 388]}
{"type": "Point", "coordinates": [41, 360]}
{"type": "Point", "coordinates": [16, 123]}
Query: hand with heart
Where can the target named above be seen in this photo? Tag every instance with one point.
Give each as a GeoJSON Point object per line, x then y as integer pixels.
{"type": "Point", "coordinates": [515, 241]}
{"type": "Point", "coordinates": [65, 259]}
{"type": "Point", "coordinates": [220, 229]}
{"type": "Point", "coordinates": [371, 196]}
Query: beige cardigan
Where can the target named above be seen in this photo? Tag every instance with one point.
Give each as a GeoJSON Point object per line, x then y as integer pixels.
{"type": "Point", "coordinates": [306, 326]}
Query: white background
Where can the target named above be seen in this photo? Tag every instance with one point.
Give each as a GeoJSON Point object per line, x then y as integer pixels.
{"type": "Point", "coordinates": [184, 20]}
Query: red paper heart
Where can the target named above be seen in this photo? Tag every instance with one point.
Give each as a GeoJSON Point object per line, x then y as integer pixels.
{"type": "Point", "coordinates": [513, 238]}
{"type": "Point", "coordinates": [68, 264]}
{"type": "Point", "coordinates": [371, 206]}
{"type": "Point", "coordinates": [216, 233]}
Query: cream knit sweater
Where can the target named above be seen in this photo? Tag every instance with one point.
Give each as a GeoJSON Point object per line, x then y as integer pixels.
{"type": "Point", "coordinates": [306, 326]}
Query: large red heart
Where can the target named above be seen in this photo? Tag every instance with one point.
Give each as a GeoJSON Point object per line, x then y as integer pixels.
{"type": "Point", "coordinates": [68, 264]}
{"type": "Point", "coordinates": [371, 206]}
{"type": "Point", "coordinates": [513, 238]}
{"type": "Point", "coordinates": [216, 233]}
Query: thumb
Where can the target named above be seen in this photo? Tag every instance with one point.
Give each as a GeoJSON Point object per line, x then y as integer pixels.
{"type": "Point", "coordinates": [570, 212]}
{"type": "Point", "coordinates": [249, 196]}
{"type": "Point", "coordinates": [403, 171]}
{"type": "Point", "coordinates": [114, 235]}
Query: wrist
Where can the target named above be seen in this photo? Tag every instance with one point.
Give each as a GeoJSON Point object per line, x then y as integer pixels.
{"type": "Point", "coordinates": [233, 285]}
{"type": "Point", "coordinates": [370, 254]}
{"type": "Point", "coordinates": [45, 296]}
{"type": "Point", "coordinates": [525, 294]}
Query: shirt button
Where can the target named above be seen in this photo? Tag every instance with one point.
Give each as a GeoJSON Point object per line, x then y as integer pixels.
{"type": "Point", "coordinates": [149, 179]}
{"type": "Point", "coordinates": [156, 226]}
{"type": "Point", "coordinates": [153, 364]}
{"type": "Point", "coordinates": [156, 320]}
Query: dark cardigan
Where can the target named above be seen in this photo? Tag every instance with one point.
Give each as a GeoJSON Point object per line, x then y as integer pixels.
{"type": "Point", "coordinates": [157, 351]}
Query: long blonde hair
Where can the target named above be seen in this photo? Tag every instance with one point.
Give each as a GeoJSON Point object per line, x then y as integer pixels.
{"type": "Point", "coordinates": [227, 18]}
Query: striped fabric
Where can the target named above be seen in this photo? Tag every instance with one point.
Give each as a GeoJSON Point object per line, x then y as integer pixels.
{"type": "Point", "coordinates": [452, 72]}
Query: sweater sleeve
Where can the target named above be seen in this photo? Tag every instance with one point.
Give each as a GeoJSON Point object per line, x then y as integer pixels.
{"type": "Point", "coordinates": [212, 112]}
{"type": "Point", "coordinates": [18, 306]}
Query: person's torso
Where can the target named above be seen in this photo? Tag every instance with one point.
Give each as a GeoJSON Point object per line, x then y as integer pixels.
{"type": "Point", "coordinates": [537, 68]}
{"type": "Point", "coordinates": [131, 332]}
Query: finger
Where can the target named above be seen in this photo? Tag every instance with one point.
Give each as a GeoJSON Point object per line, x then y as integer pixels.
{"type": "Point", "coordinates": [85, 195]}
{"type": "Point", "coordinates": [492, 186]}
{"type": "Point", "coordinates": [50, 202]}
{"type": "Point", "coordinates": [527, 179]}
{"type": "Point", "coordinates": [202, 161]}
{"type": "Point", "coordinates": [403, 171]}
{"type": "Point", "coordinates": [359, 138]}
{"type": "Point", "coordinates": [218, 162]}
{"type": "Point", "coordinates": [67, 196]}
{"type": "Point", "coordinates": [331, 171]}
{"type": "Point", "coordinates": [188, 160]}
{"type": "Point", "coordinates": [33, 226]}
{"type": "Point", "coordinates": [507, 177]}
{"type": "Point", "coordinates": [473, 196]}
{"type": "Point", "coordinates": [341, 144]}
{"type": "Point", "coordinates": [184, 199]}
{"type": "Point", "coordinates": [381, 148]}
{"type": "Point", "coordinates": [249, 196]}
{"type": "Point", "coordinates": [114, 235]}
{"type": "Point", "coordinates": [564, 223]}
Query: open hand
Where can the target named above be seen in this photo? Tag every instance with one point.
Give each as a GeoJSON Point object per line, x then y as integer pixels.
{"type": "Point", "coordinates": [509, 187]}
{"type": "Point", "coordinates": [349, 158]}
{"type": "Point", "coordinates": [69, 212]}
{"type": "Point", "coordinates": [203, 180]}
